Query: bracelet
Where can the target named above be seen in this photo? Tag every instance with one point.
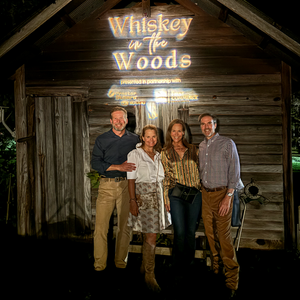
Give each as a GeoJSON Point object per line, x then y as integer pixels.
{"type": "Point", "coordinates": [133, 199]}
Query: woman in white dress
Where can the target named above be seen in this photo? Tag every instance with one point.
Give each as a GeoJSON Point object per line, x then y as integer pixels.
{"type": "Point", "coordinates": [147, 210]}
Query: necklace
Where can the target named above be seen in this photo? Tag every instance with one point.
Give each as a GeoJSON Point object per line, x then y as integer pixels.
{"type": "Point", "coordinates": [150, 154]}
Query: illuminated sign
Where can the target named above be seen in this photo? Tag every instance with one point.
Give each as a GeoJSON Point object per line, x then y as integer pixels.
{"type": "Point", "coordinates": [150, 35]}
{"type": "Point", "coordinates": [133, 95]}
{"type": "Point", "coordinates": [150, 44]}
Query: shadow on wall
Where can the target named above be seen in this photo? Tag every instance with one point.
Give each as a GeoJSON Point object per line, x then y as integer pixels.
{"type": "Point", "coordinates": [71, 227]}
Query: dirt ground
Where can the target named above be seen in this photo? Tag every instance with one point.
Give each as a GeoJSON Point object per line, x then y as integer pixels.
{"type": "Point", "coordinates": [41, 269]}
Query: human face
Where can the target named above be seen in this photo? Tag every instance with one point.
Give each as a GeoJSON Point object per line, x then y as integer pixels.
{"type": "Point", "coordinates": [118, 120]}
{"type": "Point", "coordinates": [177, 133]}
{"type": "Point", "coordinates": [208, 127]}
{"type": "Point", "coordinates": [150, 138]}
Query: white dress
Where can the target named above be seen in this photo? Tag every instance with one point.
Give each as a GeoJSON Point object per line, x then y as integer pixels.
{"type": "Point", "coordinates": [148, 177]}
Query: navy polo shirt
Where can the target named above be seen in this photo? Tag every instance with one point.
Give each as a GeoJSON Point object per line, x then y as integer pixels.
{"type": "Point", "coordinates": [110, 149]}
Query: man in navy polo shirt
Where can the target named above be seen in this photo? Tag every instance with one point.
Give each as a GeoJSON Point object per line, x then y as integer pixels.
{"type": "Point", "coordinates": [109, 159]}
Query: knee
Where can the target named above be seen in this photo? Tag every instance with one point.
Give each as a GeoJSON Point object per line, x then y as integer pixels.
{"type": "Point", "coordinates": [150, 238]}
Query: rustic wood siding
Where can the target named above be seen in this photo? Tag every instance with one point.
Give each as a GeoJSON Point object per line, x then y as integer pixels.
{"type": "Point", "coordinates": [232, 77]}
{"type": "Point", "coordinates": [62, 191]}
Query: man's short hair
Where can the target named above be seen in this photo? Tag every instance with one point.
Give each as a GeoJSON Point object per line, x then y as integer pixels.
{"type": "Point", "coordinates": [118, 108]}
{"type": "Point", "coordinates": [214, 118]}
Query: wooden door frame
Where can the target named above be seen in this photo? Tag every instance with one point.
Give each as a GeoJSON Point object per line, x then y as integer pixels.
{"type": "Point", "coordinates": [289, 219]}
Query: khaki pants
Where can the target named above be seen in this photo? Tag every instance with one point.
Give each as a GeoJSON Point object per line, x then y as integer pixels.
{"type": "Point", "coordinates": [110, 195]}
{"type": "Point", "coordinates": [217, 230]}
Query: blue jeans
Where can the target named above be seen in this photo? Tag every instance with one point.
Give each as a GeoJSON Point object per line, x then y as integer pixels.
{"type": "Point", "coordinates": [185, 218]}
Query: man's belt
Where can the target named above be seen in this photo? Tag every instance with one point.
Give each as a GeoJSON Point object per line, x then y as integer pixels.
{"type": "Point", "coordinates": [217, 189]}
{"type": "Point", "coordinates": [115, 179]}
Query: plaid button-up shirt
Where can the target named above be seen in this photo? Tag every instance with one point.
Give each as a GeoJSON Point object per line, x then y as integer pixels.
{"type": "Point", "coordinates": [219, 163]}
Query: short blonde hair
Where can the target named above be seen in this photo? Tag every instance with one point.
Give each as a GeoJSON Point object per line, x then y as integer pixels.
{"type": "Point", "coordinates": [118, 108]}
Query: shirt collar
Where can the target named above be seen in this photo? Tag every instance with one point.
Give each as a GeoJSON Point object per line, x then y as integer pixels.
{"type": "Point", "coordinates": [213, 138]}
{"type": "Point", "coordinates": [125, 133]}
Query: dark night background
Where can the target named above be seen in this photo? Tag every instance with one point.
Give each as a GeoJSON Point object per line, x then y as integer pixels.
{"type": "Point", "coordinates": [42, 269]}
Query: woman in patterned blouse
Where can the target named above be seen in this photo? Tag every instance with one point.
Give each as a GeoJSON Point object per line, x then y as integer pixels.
{"type": "Point", "coordinates": [180, 161]}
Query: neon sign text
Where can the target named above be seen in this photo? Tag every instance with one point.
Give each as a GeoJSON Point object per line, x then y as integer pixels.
{"type": "Point", "coordinates": [151, 34]}
{"type": "Point", "coordinates": [129, 27]}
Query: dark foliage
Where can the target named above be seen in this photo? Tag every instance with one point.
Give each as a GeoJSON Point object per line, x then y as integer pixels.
{"type": "Point", "coordinates": [7, 159]}
{"type": "Point", "coordinates": [13, 13]}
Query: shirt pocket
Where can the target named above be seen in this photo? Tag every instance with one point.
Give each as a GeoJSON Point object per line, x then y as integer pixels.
{"type": "Point", "coordinates": [143, 170]}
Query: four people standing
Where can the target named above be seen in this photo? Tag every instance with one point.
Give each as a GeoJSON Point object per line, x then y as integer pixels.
{"type": "Point", "coordinates": [151, 180]}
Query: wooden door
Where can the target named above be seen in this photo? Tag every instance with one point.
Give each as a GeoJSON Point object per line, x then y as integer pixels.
{"type": "Point", "coordinates": [62, 189]}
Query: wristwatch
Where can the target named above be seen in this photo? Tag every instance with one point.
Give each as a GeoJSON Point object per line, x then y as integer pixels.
{"type": "Point", "coordinates": [230, 194]}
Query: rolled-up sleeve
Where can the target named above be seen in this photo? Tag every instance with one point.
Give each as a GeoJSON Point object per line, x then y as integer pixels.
{"type": "Point", "coordinates": [234, 166]}
{"type": "Point", "coordinates": [132, 158]}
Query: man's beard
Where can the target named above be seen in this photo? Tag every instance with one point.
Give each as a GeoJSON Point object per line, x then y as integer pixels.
{"type": "Point", "coordinates": [119, 128]}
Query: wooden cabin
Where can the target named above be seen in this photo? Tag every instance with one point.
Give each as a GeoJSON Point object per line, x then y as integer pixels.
{"type": "Point", "coordinates": [160, 63]}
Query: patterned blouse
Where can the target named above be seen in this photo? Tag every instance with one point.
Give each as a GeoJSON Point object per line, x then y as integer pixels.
{"type": "Point", "coordinates": [184, 171]}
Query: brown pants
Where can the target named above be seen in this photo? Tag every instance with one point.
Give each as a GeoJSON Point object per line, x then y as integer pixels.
{"type": "Point", "coordinates": [110, 195]}
{"type": "Point", "coordinates": [217, 230]}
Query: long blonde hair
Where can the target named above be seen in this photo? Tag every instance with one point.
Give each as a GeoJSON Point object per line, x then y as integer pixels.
{"type": "Point", "coordinates": [157, 147]}
{"type": "Point", "coordinates": [169, 140]}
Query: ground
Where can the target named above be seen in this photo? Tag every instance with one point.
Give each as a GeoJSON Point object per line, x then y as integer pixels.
{"type": "Point", "coordinates": [43, 269]}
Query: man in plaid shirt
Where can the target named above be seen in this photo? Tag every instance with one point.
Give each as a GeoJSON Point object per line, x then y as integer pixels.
{"type": "Point", "coordinates": [220, 175]}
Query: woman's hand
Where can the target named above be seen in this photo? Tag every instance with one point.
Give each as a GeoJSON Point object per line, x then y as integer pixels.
{"type": "Point", "coordinates": [134, 208]}
{"type": "Point", "coordinates": [167, 206]}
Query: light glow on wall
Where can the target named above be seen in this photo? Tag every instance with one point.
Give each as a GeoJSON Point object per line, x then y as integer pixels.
{"type": "Point", "coordinates": [133, 96]}
{"type": "Point", "coordinates": [148, 43]}
{"type": "Point", "coordinates": [130, 27]}
{"type": "Point", "coordinates": [150, 35]}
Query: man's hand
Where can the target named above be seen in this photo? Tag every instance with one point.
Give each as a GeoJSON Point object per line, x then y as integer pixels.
{"type": "Point", "coordinates": [127, 167]}
{"type": "Point", "coordinates": [224, 206]}
{"type": "Point", "coordinates": [124, 167]}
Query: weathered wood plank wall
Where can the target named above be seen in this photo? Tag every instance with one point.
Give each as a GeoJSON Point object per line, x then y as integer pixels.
{"type": "Point", "coordinates": [232, 77]}
{"type": "Point", "coordinates": [56, 202]}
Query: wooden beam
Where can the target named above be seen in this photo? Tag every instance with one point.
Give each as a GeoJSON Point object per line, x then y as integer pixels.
{"type": "Point", "coordinates": [67, 19]}
{"type": "Point", "coordinates": [191, 6]}
{"type": "Point", "coordinates": [31, 26]}
{"type": "Point", "coordinates": [249, 13]}
{"type": "Point", "coordinates": [289, 224]}
{"type": "Point", "coordinates": [58, 91]}
{"type": "Point", "coordinates": [223, 13]}
{"type": "Point", "coordinates": [146, 8]}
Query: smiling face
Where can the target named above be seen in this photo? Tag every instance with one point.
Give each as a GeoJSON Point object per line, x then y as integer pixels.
{"type": "Point", "coordinates": [118, 121]}
{"type": "Point", "coordinates": [208, 126]}
{"type": "Point", "coordinates": [177, 133]}
{"type": "Point", "coordinates": [150, 138]}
